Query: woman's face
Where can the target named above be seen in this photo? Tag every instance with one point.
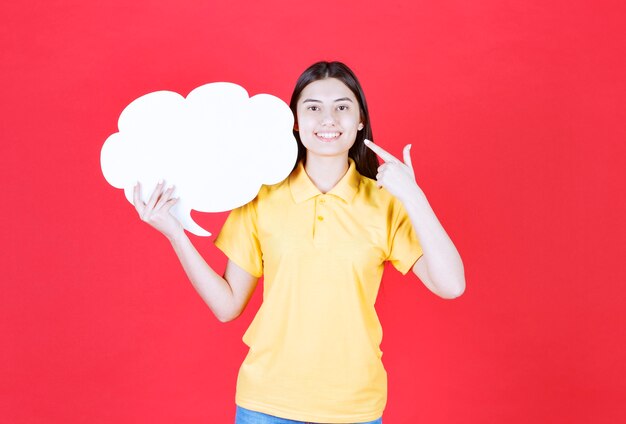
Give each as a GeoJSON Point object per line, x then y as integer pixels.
{"type": "Point", "coordinates": [328, 118]}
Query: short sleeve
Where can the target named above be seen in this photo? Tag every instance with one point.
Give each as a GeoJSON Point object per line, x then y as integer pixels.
{"type": "Point", "coordinates": [238, 239]}
{"type": "Point", "coordinates": [404, 246]}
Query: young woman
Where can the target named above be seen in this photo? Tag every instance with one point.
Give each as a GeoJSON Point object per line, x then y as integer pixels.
{"type": "Point", "coordinates": [320, 238]}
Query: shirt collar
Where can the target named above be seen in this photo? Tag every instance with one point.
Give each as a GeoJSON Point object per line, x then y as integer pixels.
{"type": "Point", "coordinates": [302, 188]}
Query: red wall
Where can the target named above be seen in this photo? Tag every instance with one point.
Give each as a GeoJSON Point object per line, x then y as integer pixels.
{"type": "Point", "coordinates": [515, 110]}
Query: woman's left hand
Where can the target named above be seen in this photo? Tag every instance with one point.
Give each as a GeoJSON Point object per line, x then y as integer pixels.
{"type": "Point", "coordinates": [395, 176]}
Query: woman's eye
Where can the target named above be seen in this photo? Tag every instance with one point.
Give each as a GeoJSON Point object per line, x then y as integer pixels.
{"type": "Point", "coordinates": [342, 107]}
{"type": "Point", "coordinates": [313, 108]}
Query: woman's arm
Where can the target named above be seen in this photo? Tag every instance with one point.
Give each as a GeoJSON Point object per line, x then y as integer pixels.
{"type": "Point", "coordinates": [226, 296]}
{"type": "Point", "coordinates": [440, 268]}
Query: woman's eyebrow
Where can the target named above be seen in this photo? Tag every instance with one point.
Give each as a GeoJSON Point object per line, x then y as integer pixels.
{"type": "Point", "coordinates": [319, 101]}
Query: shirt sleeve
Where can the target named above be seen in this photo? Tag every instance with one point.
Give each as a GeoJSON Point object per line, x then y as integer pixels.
{"type": "Point", "coordinates": [239, 240]}
{"type": "Point", "coordinates": [404, 246]}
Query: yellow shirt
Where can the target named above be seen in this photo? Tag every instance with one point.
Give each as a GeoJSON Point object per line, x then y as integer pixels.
{"type": "Point", "coordinates": [315, 341]}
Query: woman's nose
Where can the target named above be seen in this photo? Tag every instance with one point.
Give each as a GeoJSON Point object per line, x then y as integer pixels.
{"type": "Point", "coordinates": [328, 119]}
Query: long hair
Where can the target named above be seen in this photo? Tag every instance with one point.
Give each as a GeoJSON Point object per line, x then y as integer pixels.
{"type": "Point", "coordinates": [364, 158]}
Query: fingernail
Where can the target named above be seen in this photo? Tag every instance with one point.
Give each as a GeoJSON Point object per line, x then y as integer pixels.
{"type": "Point", "coordinates": [410, 145]}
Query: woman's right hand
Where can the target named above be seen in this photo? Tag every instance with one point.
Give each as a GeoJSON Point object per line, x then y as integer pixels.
{"type": "Point", "coordinates": [157, 211]}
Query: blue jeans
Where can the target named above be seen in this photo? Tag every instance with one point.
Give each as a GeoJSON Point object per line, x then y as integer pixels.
{"type": "Point", "coordinates": [246, 416]}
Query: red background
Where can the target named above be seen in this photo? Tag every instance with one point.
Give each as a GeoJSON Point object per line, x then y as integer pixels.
{"type": "Point", "coordinates": [515, 110]}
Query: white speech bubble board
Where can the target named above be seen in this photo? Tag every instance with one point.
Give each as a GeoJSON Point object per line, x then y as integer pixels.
{"type": "Point", "coordinates": [217, 146]}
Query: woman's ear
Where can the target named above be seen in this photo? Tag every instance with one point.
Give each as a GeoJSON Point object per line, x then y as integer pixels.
{"type": "Point", "coordinates": [295, 126]}
{"type": "Point", "coordinates": [361, 126]}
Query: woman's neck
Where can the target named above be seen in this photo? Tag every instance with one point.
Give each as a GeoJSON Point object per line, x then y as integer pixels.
{"type": "Point", "coordinates": [326, 172]}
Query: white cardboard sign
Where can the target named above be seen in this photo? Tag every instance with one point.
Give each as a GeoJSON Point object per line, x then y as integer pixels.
{"type": "Point", "coordinates": [217, 146]}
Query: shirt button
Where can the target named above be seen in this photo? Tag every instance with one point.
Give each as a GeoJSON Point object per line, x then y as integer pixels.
{"type": "Point", "coordinates": [322, 201]}
{"type": "Point", "coordinates": [320, 218]}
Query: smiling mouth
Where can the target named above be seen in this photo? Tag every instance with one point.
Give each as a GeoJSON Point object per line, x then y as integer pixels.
{"type": "Point", "coordinates": [328, 136]}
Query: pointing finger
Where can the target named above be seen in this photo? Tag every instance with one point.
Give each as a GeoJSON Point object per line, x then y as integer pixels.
{"type": "Point", "coordinates": [386, 156]}
{"type": "Point", "coordinates": [407, 156]}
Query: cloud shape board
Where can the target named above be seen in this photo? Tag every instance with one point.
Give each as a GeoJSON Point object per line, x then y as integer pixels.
{"type": "Point", "coordinates": [217, 146]}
